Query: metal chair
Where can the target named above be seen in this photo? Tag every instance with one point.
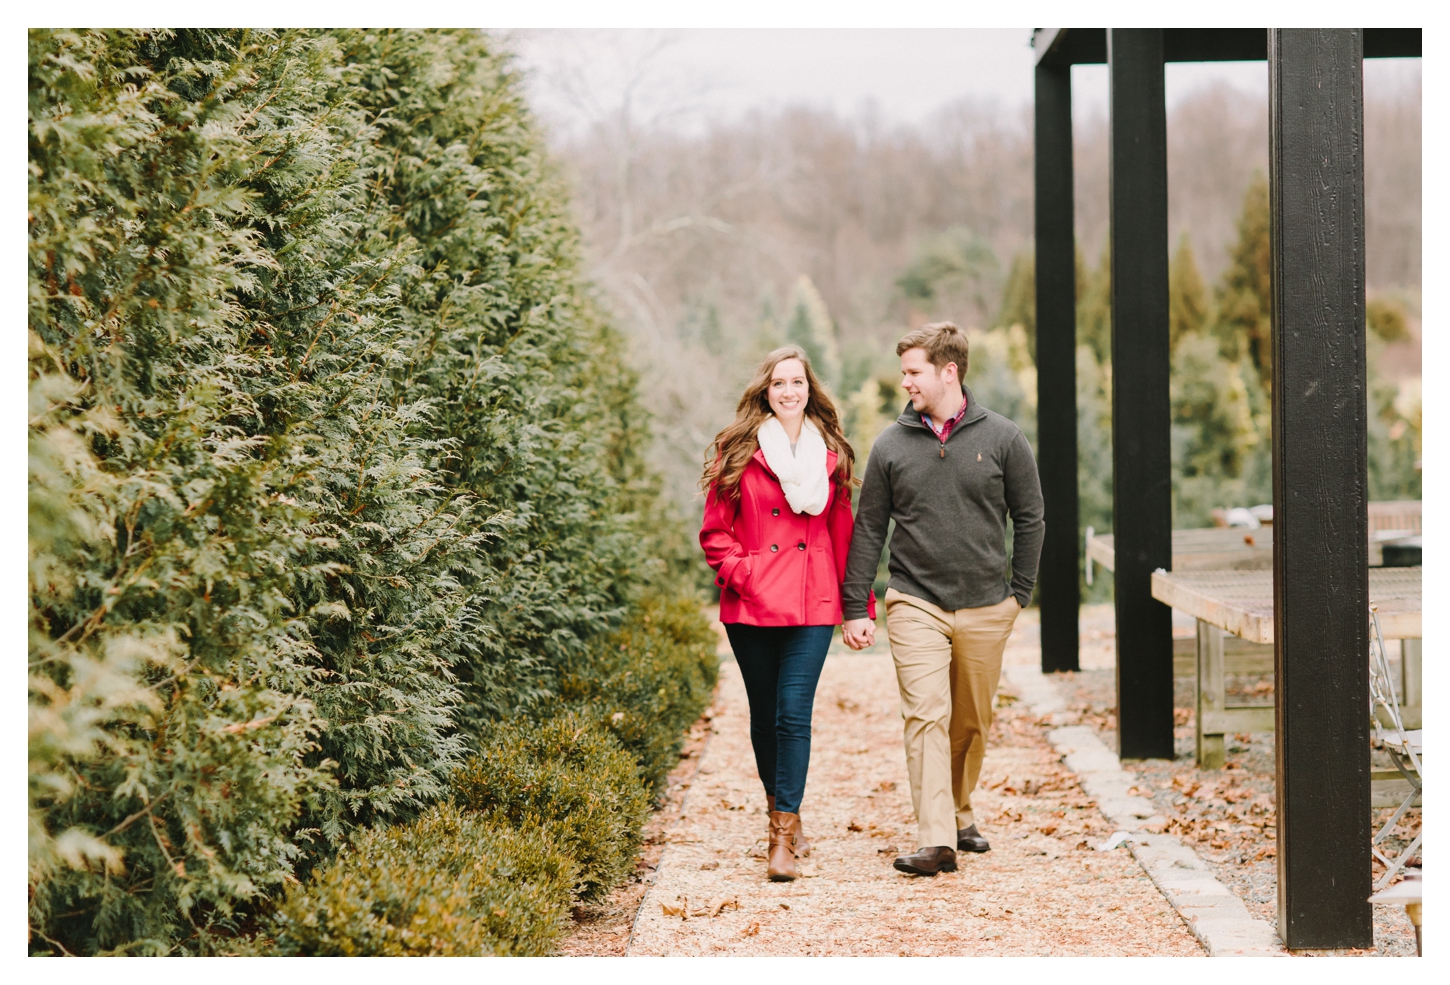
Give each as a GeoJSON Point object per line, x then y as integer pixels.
{"type": "Point", "coordinates": [1404, 746]}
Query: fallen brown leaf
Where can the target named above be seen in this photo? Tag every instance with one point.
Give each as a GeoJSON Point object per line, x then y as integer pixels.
{"type": "Point", "coordinates": [855, 826]}
{"type": "Point", "coordinates": [752, 930]}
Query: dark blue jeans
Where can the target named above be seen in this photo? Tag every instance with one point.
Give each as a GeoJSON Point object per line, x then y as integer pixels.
{"type": "Point", "coordinates": [780, 666]}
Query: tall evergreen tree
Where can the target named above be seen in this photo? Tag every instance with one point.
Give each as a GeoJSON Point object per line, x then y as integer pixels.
{"type": "Point", "coordinates": [1094, 307]}
{"type": "Point", "coordinates": [1187, 298]}
{"type": "Point", "coordinates": [1019, 299]}
{"type": "Point", "coordinates": [810, 327]}
{"type": "Point", "coordinates": [1244, 296]}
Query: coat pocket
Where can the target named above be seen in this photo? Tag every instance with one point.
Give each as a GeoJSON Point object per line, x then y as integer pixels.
{"type": "Point", "coordinates": [746, 591]}
{"type": "Point", "coordinates": [777, 581]}
{"type": "Point", "coordinates": [821, 578]}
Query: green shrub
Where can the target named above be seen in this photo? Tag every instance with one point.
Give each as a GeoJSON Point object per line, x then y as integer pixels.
{"type": "Point", "coordinates": [649, 681]}
{"type": "Point", "coordinates": [449, 883]}
{"type": "Point", "coordinates": [568, 781]}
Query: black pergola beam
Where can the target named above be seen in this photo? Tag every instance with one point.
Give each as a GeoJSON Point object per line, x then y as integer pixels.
{"type": "Point", "coordinates": [1321, 577]}
{"type": "Point", "coordinates": [1056, 275]}
{"type": "Point", "coordinates": [1142, 454]}
{"type": "Point", "coordinates": [1060, 47]}
{"type": "Point", "coordinates": [1392, 42]}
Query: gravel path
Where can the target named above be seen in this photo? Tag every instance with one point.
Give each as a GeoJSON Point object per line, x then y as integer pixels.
{"type": "Point", "coordinates": [1040, 891]}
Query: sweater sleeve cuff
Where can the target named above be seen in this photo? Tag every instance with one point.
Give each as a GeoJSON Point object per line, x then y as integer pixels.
{"type": "Point", "coordinates": [733, 574]}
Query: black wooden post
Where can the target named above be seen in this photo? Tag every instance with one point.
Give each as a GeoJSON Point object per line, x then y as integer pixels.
{"type": "Point", "coordinates": [1321, 579]}
{"type": "Point", "coordinates": [1142, 478]}
{"type": "Point", "coordinates": [1056, 276]}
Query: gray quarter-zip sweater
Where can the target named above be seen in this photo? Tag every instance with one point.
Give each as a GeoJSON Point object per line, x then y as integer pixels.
{"type": "Point", "coordinates": [950, 502]}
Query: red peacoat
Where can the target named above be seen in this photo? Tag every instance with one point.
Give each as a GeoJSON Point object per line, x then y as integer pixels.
{"type": "Point", "coordinates": [776, 567]}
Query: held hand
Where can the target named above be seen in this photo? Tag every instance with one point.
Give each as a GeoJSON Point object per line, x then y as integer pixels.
{"type": "Point", "coordinates": [859, 633]}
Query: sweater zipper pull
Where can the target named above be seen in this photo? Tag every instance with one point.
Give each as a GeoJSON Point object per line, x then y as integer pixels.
{"type": "Point", "coordinates": [943, 450]}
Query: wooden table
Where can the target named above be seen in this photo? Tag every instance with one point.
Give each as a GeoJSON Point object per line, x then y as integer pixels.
{"type": "Point", "coordinates": [1241, 602]}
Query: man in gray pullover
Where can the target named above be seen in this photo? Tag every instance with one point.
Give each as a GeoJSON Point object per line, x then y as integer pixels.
{"type": "Point", "coordinates": [950, 473]}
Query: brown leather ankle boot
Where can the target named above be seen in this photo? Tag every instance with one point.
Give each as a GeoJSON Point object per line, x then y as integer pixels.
{"type": "Point", "coordinates": [785, 829]}
{"type": "Point", "coordinates": [803, 847]}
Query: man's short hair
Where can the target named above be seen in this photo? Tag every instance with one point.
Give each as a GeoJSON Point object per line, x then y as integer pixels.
{"type": "Point", "coordinates": [943, 342]}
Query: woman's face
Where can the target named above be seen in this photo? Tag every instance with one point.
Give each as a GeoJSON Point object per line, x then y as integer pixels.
{"type": "Point", "coordinates": [788, 391]}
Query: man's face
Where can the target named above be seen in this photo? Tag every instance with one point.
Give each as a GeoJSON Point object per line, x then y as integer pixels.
{"type": "Point", "coordinates": [923, 381]}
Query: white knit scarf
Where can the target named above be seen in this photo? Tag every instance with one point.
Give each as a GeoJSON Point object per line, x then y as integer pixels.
{"type": "Point", "coordinates": [803, 475]}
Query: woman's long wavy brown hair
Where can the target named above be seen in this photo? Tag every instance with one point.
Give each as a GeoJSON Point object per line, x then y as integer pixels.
{"type": "Point", "coordinates": [730, 452]}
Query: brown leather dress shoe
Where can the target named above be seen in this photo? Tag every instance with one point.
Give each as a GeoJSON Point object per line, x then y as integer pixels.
{"type": "Point", "coordinates": [969, 839]}
{"type": "Point", "coordinates": [803, 847]}
{"type": "Point", "coordinates": [928, 861]}
{"type": "Point", "coordinates": [785, 828]}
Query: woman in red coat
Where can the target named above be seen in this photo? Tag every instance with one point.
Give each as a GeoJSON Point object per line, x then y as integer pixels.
{"type": "Point", "coordinates": [777, 531]}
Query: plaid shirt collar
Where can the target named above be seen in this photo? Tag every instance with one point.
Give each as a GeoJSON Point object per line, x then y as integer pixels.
{"type": "Point", "coordinates": [945, 431]}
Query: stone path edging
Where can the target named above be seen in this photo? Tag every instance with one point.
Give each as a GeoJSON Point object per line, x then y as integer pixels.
{"type": "Point", "coordinates": [1216, 916]}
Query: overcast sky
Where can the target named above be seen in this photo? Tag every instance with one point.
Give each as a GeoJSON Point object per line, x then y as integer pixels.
{"type": "Point", "coordinates": [906, 73]}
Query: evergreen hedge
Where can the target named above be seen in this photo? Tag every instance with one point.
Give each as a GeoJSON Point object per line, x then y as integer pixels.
{"type": "Point", "coordinates": [334, 464]}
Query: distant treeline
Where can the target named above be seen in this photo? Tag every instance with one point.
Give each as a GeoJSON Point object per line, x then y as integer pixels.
{"type": "Point", "coordinates": [840, 233]}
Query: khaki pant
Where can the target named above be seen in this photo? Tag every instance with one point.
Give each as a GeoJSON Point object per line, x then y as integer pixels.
{"type": "Point", "coordinates": [948, 664]}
